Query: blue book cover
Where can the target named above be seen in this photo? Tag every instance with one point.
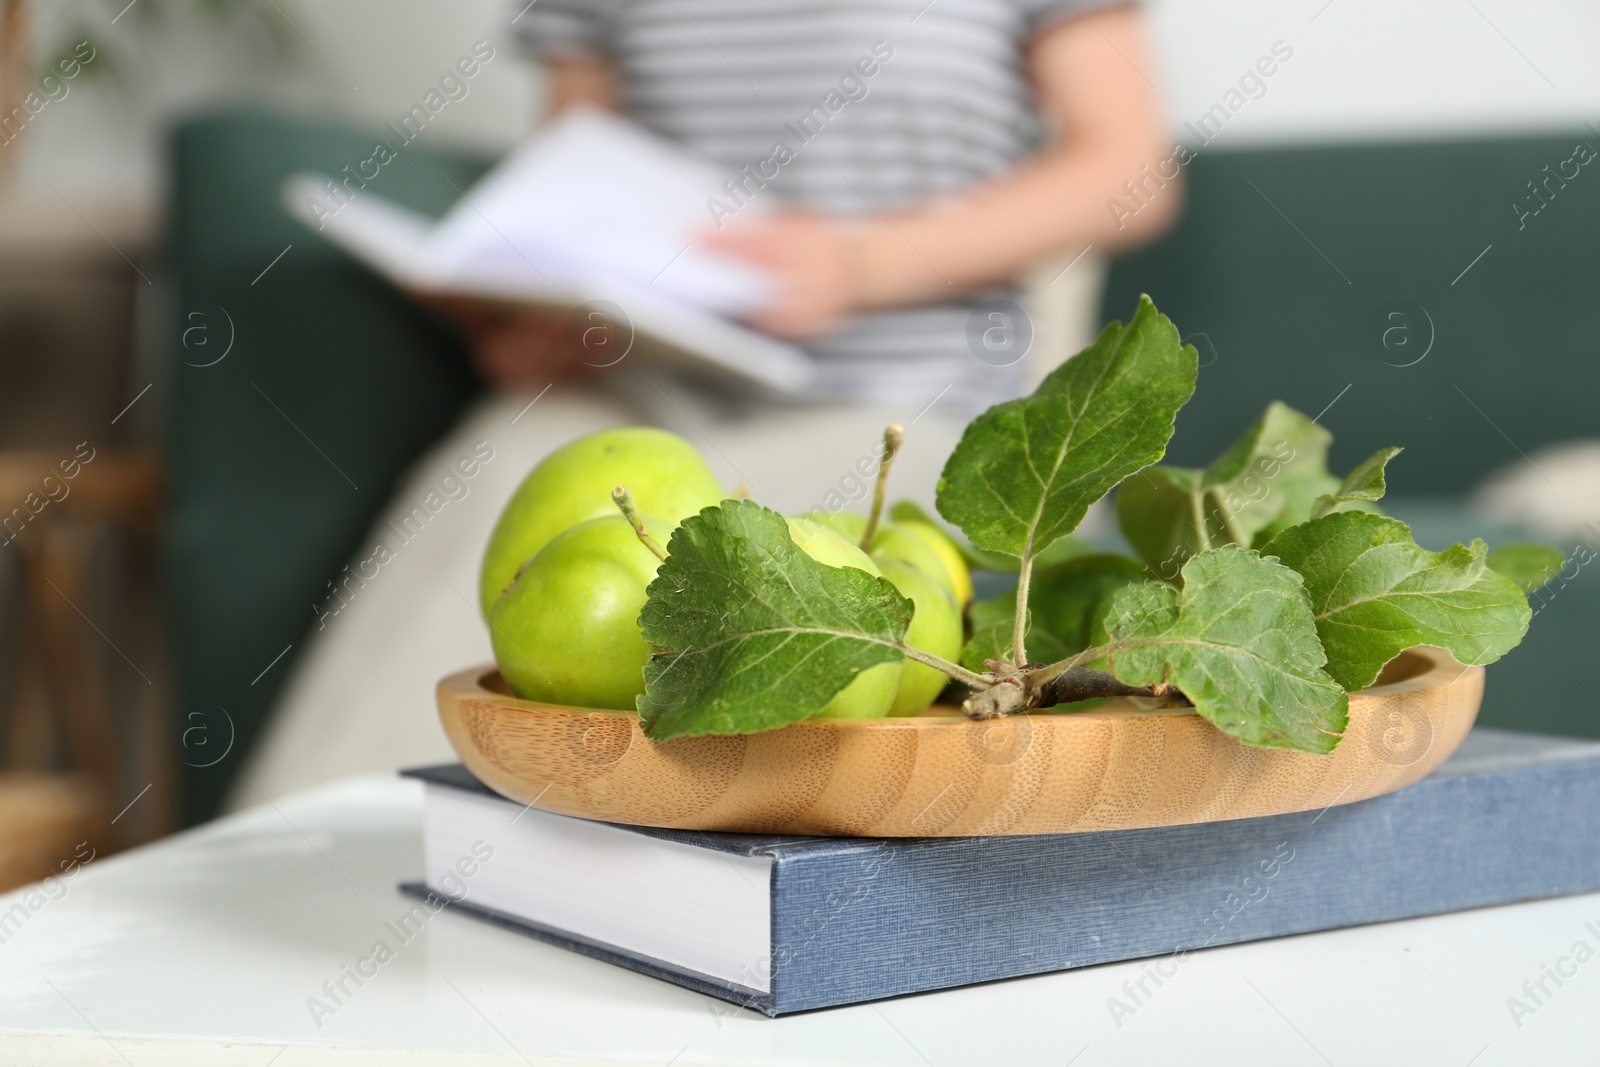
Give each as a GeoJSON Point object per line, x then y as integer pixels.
{"type": "Point", "coordinates": [858, 919]}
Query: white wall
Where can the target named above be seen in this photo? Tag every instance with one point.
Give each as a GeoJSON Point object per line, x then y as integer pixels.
{"type": "Point", "coordinates": [356, 60]}
{"type": "Point", "coordinates": [394, 50]}
{"type": "Point", "coordinates": [1385, 68]}
{"type": "Point", "coordinates": [1361, 68]}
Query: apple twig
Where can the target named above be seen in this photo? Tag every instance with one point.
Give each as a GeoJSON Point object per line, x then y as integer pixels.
{"type": "Point", "coordinates": [624, 500]}
{"type": "Point", "coordinates": [893, 435]}
{"type": "Point", "coordinates": [1046, 685]}
{"type": "Point", "coordinates": [1039, 688]}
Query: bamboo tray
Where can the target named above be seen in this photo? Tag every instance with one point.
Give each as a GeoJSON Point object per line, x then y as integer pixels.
{"type": "Point", "coordinates": [943, 775]}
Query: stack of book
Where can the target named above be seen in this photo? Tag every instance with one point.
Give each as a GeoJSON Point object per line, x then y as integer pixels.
{"type": "Point", "coordinates": [786, 924]}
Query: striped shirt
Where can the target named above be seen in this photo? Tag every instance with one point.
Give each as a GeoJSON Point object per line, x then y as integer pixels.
{"type": "Point", "coordinates": [854, 107]}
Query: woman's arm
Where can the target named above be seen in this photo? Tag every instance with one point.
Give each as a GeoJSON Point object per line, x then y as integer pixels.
{"type": "Point", "coordinates": [1090, 74]}
{"type": "Point", "coordinates": [1089, 77]}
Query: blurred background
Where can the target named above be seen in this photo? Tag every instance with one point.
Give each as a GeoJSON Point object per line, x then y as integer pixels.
{"type": "Point", "coordinates": [1399, 230]}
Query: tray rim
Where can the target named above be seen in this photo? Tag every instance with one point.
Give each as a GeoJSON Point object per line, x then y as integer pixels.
{"type": "Point", "coordinates": [1112, 768]}
{"type": "Point", "coordinates": [1433, 665]}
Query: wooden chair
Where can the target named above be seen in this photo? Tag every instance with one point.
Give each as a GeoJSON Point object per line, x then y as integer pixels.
{"type": "Point", "coordinates": [89, 745]}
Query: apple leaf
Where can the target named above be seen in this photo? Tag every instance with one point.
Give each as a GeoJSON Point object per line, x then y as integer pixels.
{"type": "Point", "coordinates": [1366, 482]}
{"type": "Point", "coordinates": [1250, 481]}
{"type": "Point", "coordinates": [1529, 566]}
{"type": "Point", "coordinates": [1375, 593]}
{"type": "Point", "coordinates": [1026, 471]}
{"type": "Point", "coordinates": [1299, 497]}
{"type": "Point", "coordinates": [1069, 600]}
{"type": "Point", "coordinates": [1265, 480]}
{"type": "Point", "coordinates": [1163, 515]}
{"type": "Point", "coordinates": [750, 632]}
{"type": "Point", "coordinates": [992, 623]}
{"type": "Point", "coordinates": [1240, 641]}
{"type": "Point", "coordinates": [1060, 550]}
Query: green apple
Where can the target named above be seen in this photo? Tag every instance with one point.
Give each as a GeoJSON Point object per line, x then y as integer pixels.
{"type": "Point", "coordinates": [873, 692]}
{"type": "Point", "coordinates": [847, 524]}
{"type": "Point", "coordinates": [922, 574]}
{"type": "Point", "coordinates": [567, 631]}
{"type": "Point", "coordinates": [949, 555]}
{"type": "Point", "coordinates": [936, 628]}
{"type": "Point", "coordinates": [889, 541]}
{"type": "Point", "coordinates": [667, 477]}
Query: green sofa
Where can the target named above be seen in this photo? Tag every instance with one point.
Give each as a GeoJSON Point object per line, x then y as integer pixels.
{"type": "Point", "coordinates": [282, 453]}
{"type": "Point", "coordinates": [1289, 266]}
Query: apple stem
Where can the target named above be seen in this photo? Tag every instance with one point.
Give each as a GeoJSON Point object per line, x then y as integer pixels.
{"type": "Point", "coordinates": [893, 435]}
{"type": "Point", "coordinates": [624, 500]}
{"type": "Point", "coordinates": [1019, 630]}
{"type": "Point", "coordinates": [959, 673]}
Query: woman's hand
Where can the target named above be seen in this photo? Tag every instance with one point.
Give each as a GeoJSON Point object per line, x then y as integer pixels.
{"type": "Point", "coordinates": [813, 261]}
{"type": "Point", "coordinates": [516, 347]}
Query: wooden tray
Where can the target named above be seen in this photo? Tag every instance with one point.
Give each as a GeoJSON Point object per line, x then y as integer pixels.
{"type": "Point", "coordinates": [943, 775]}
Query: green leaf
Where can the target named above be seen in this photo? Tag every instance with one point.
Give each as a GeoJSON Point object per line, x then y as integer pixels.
{"type": "Point", "coordinates": [1069, 601]}
{"type": "Point", "coordinates": [751, 632]}
{"type": "Point", "coordinates": [1163, 515]}
{"type": "Point", "coordinates": [1062, 549]}
{"type": "Point", "coordinates": [1250, 480]}
{"type": "Point", "coordinates": [992, 623]}
{"type": "Point", "coordinates": [1376, 593]}
{"type": "Point", "coordinates": [1240, 641]}
{"type": "Point", "coordinates": [1066, 604]}
{"type": "Point", "coordinates": [1299, 496]}
{"type": "Point", "coordinates": [1025, 471]}
{"type": "Point", "coordinates": [1366, 482]}
{"type": "Point", "coordinates": [1529, 566]}
{"type": "Point", "coordinates": [1268, 478]}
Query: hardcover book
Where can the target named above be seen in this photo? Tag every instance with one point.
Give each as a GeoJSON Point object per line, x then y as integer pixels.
{"type": "Point", "coordinates": [787, 924]}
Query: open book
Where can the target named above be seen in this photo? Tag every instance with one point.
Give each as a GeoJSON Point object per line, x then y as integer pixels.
{"type": "Point", "coordinates": [593, 219]}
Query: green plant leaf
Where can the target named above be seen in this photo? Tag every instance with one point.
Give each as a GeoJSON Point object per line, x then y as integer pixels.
{"type": "Point", "coordinates": [1365, 483]}
{"type": "Point", "coordinates": [1069, 601]}
{"type": "Point", "coordinates": [1025, 471]}
{"type": "Point", "coordinates": [1240, 641]}
{"type": "Point", "coordinates": [992, 622]}
{"type": "Point", "coordinates": [1299, 496]}
{"type": "Point", "coordinates": [1163, 515]}
{"type": "Point", "coordinates": [1267, 478]}
{"type": "Point", "coordinates": [1376, 593]}
{"type": "Point", "coordinates": [1250, 480]}
{"type": "Point", "coordinates": [1529, 566]}
{"type": "Point", "coordinates": [751, 633]}
{"type": "Point", "coordinates": [1060, 550]}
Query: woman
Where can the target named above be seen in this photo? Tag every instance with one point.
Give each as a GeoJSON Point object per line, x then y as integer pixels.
{"type": "Point", "coordinates": [914, 155]}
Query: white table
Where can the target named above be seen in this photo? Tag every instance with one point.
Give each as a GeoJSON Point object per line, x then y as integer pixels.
{"type": "Point", "coordinates": [205, 947]}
